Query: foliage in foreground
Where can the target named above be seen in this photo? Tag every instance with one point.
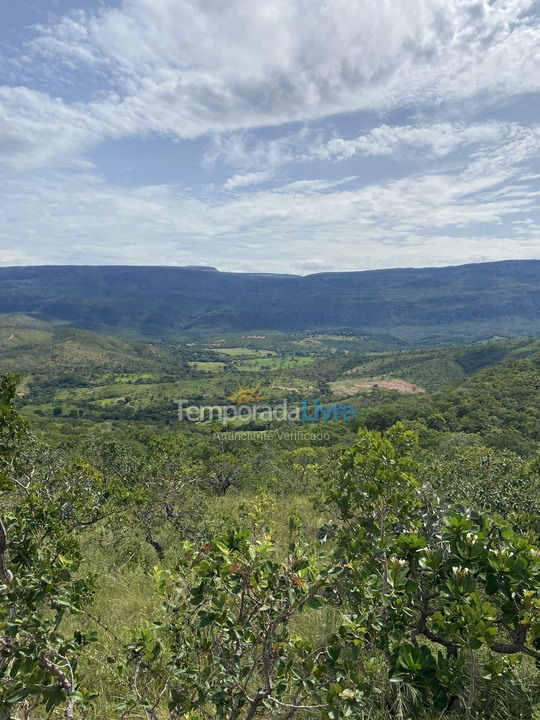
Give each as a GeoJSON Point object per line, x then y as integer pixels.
{"type": "Point", "coordinates": [438, 593]}
{"type": "Point", "coordinates": [403, 607]}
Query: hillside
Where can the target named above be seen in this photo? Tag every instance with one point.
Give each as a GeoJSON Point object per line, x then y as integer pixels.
{"type": "Point", "coordinates": [80, 374]}
{"type": "Point", "coordinates": [430, 305]}
{"type": "Point", "coordinates": [499, 404]}
{"type": "Point", "coordinates": [125, 505]}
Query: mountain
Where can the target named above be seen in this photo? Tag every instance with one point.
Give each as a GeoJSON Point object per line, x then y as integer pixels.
{"type": "Point", "coordinates": [430, 305]}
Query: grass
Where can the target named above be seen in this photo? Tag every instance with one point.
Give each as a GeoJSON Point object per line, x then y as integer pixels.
{"type": "Point", "coordinates": [273, 363]}
{"type": "Point", "coordinates": [140, 395]}
{"type": "Point", "coordinates": [16, 337]}
{"type": "Point", "coordinates": [208, 366]}
{"type": "Point", "coordinates": [240, 352]}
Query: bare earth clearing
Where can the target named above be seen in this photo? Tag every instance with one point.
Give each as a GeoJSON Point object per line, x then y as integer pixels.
{"type": "Point", "coordinates": [401, 386]}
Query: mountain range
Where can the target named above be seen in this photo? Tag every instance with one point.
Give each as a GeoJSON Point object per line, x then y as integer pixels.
{"type": "Point", "coordinates": [447, 304]}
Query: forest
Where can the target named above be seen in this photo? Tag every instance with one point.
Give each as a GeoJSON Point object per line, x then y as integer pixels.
{"type": "Point", "coordinates": [384, 567]}
{"type": "Point", "coordinates": [432, 305]}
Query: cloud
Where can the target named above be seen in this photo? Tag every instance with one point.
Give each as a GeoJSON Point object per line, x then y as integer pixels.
{"type": "Point", "coordinates": [247, 151]}
{"type": "Point", "coordinates": [254, 178]}
{"type": "Point", "coordinates": [187, 68]}
{"type": "Point", "coordinates": [458, 214]}
{"type": "Point", "coordinates": [416, 144]}
{"type": "Point", "coordinates": [435, 140]}
{"type": "Point", "coordinates": [280, 89]}
{"type": "Point", "coordinates": [36, 130]}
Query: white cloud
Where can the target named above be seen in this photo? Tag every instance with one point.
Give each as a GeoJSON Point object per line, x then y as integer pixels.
{"type": "Point", "coordinates": [430, 218]}
{"type": "Point", "coordinates": [247, 152]}
{"type": "Point", "coordinates": [187, 68]}
{"type": "Point", "coordinates": [491, 142]}
{"type": "Point", "coordinates": [181, 69]}
{"type": "Point", "coordinates": [246, 179]}
{"type": "Point", "coordinates": [36, 130]}
{"type": "Point", "coordinates": [435, 140]}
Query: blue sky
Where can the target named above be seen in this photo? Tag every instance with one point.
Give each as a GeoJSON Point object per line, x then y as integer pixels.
{"type": "Point", "coordinates": [277, 136]}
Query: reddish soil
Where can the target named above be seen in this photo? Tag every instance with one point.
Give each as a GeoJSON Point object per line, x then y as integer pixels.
{"type": "Point", "coordinates": [402, 386]}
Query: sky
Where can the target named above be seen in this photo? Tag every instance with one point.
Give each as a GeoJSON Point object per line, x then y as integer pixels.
{"type": "Point", "coordinates": [292, 136]}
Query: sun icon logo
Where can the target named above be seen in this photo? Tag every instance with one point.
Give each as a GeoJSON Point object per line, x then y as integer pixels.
{"type": "Point", "coordinates": [246, 395]}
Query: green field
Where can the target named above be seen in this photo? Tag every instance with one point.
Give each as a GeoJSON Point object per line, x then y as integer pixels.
{"type": "Point", "coordinates": [166, 520]}
{"type": "Point", "coordinates": [242, 352]}
{"type": "Point", "coordinates": [208, 366]}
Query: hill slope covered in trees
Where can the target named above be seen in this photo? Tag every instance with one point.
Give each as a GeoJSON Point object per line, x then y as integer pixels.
{"type": "Point", "coordinates": [431, 304]}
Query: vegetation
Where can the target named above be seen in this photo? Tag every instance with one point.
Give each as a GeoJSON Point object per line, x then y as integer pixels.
{"type": "Point", "coordinates": [432, 305]}
{"type": "Point", "coordinates": [500, 404]}
{"type": "Point", "coordinates": [383, 568]}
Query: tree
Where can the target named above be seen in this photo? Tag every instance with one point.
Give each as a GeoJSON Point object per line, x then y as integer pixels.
{"type": "Point", "coordinates": [428, 587]}
{"type": "Point", "coordinates": [237, 646]}
{"type": "Point", "coordinates": [39, 584]}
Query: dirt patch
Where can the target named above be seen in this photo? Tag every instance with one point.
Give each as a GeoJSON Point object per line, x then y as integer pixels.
{"type": "Point", "coordinates": [293, 389]}
{"type": "Point", "coordinates": [403, 387]}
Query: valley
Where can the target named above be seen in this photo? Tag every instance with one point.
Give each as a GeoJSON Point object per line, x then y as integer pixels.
{"type": "Point", "coordinates": [153, 520]}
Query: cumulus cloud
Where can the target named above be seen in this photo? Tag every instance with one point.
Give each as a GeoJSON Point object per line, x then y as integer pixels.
{"type": "Point", "coordinates": [436, 140]}
{"type": "Point", "coordinates": [266, 83]}
{"type": "Point", "coordinates": [437, 216]}
{"type": "Point", "coordinates": [411, 143]}
{"type": "Point", "coordinates": [187, 68]}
